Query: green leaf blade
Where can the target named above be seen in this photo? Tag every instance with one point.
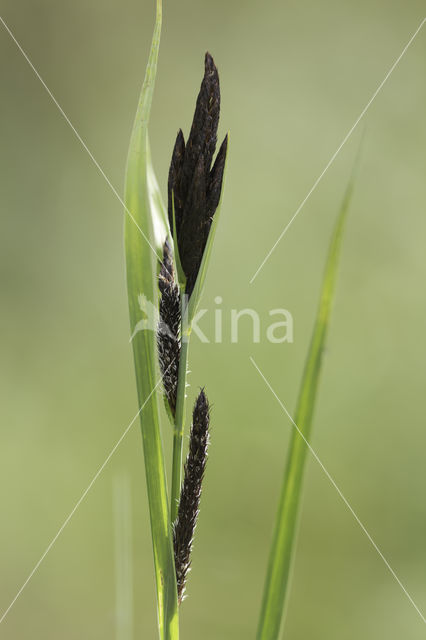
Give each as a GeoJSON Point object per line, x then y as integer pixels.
{"type": "Point", "coordinates": [144, 235]}
{"type": "Point", "coordinates": [285, 532]}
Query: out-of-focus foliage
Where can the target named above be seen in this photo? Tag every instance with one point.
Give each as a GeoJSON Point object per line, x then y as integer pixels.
{"type": "Point", "coordinates": [294, 78]}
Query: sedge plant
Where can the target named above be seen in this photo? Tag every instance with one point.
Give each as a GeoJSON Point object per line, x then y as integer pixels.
{"type": "Point", "coordinates": [167, 254]}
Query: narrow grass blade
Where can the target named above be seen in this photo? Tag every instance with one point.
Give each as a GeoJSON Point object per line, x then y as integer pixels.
{"type": "Point", "coordinates": [145, 231]}
{"type": "Point", "coordinates": [277, 579]}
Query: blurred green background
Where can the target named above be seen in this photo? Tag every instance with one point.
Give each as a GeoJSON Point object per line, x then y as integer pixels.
{"type": "Point", "coordinates": [294, 77]}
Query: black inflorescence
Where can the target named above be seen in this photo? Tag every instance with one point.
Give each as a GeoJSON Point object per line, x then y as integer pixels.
{"type": "Point", "coordinates": [194, 186]}
{"type": "Point", "coordinates": [184, 526]}
{"type": "Point", "coordinates": [168, 335]}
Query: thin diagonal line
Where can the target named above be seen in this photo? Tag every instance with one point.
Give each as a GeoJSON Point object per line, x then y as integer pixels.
{"type": "Point", "coordinates": [78, 136]}
{"type": "Point", "coordinates": [331, 479]}
{"type": "Point", "coordinates": [335, 154]}
{"type": "Point", "coordinates": [78, 503]}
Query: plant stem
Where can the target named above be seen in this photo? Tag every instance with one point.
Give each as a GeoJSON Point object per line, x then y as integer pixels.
{"type": "Point", "coordinates": [179, 427]}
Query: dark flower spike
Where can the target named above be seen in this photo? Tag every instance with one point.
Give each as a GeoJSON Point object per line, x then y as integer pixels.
{"type": "Point", "coordinates": [168, 334]}
{"type": "Point", "coordinates": [174, 182]}
{"type": "Point", "coordinates": [184, 526]}
{"type": "Point", "coordinates": [194, 187]}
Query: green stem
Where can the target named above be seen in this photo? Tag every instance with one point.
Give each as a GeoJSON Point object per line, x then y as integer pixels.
{"type": "Point", "coordinates": [179, 427]}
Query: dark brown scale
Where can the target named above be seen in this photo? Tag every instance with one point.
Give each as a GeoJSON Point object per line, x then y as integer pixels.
{"type": "Point", "coordinates": [216, 179]}
{"type": "Point", "coordinates": [189, 502]}
{"type": "Point", "coordinates": [193, 221]}
{"type": "Point", "coordinates": [168, 334]}
{"type": "Point", "coordinates": [193, 184]}
{"type": "Point", "coordinates": [174, 183]}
